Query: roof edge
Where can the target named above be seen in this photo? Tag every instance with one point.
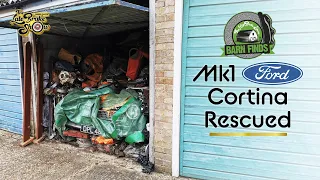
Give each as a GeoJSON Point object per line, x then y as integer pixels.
{"type": "Point", "coordinates": [16, 4]}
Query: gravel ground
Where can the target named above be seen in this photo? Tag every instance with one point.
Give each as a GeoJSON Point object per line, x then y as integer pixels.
{"type": "Point", "coordinates": [53, 160]}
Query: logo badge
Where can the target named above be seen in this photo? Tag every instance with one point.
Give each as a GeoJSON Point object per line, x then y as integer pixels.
{"type": "Point", "coordinates": [30, 22]}
{"type": "Point", "coordinates": [272, 73]}
{"type": "Point", "coordinates": [247, 35]}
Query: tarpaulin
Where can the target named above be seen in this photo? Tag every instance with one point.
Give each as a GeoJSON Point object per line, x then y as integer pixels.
{"type": "Point", "coordinates": [82, 108]}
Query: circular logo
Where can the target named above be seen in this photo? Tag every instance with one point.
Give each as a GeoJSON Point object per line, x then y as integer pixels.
{"type": "Point", "coordinates": [133, 112]}
{"type": "Point", "coordinates": [248, 35]}
{"type": "Point", "coordinates": [37, 27]}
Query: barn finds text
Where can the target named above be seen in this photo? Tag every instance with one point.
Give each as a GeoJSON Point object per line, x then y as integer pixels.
{"type": "Point", "coordinates": [251, 97]}
{"type": "Point", "coordinates": [247, 49]}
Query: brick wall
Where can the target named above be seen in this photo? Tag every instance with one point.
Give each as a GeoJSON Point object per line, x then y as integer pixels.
{"type": "Point", "coordinates": [164, 84]}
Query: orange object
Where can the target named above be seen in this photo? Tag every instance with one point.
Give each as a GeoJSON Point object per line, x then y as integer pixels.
{"type": "Point", "coordinates": [74, 133]}
{"type": "Point", "coordinates": [69, 57]}
{"type": "Point", "coordinates": [134, 63]}
{"type": "Point", "coordinates": [105, 83]}
{"type": "Point", "coordinates": [102, 140]}
{"type": "Point", "coordinates": [95, 64]}
{"type": "Point", "coordinates": [103, 97]}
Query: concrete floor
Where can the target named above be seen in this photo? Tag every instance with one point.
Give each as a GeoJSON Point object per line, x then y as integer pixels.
{"type": "Point", "coordinates": [52, 160]}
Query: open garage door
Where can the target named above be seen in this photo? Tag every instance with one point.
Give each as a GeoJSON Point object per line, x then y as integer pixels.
{"type": "Point", "coordinates": [10, 82]}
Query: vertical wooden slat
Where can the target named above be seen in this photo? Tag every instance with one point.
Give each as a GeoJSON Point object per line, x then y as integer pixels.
{"type": "Point", "coordinates": [34, 70]}
{"type": "Point", "coordinates": [27, 51]}
{"type": "Point", "coordinates": [39, 127]}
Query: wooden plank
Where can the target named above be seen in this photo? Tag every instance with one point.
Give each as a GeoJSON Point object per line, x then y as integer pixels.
{"type": "Point", "coordinates": [12, 59]}
{"type": "Point", "coordinates": [218, 175]}
{"type": "Point", "coordinates": [294, 106]}
{"type": "Point", "coordinates": [7, 48]}
{"type": "Point", "coordinates": [12, 82]}
{"type": "Point", "coordinates": [9, 72]}
{"type": "Point", "coordinates": [39, 140]}
{"type": "Point", "coordinates": [33, 82]}
{"type": "Point", "coordinates": [258, 110]}
{"type": "Point", "coordinates": [11, 129]}
{"type": "Point", "coordinates": [303, 115]}
{"type": "Point", "coordinates": [218, 2]}
{"type": "Point", "coordinates": [308, 49]}
{"type": "Point", "coordinates": [2, 57]}
{"type": "Point", "coordinates": [8, 76]}
{"type": "Point", "coordinates": [39, 127]}
{"type": "Point", "coordinates": [14, 109]}
{"type": "Point", "coordinates": [308, 72]}
{"type": "Point", "coordinates": [307, 61]}
{"type": "Point", "coordinates": [297, 126]}
{"type": "Point", "coordinates": [294, 140]}
{"type": "Point", "coordinates": [9, 90]}
{"type": "Point", "coordinates": [27, 92]}
{"type": "Point", "coordinates": [250, 166]}
{"type": "Point", "coordinates": [11, 114]}
{"type": "Point", "coordinates": [7, 31]}
{"type": "Point", "coordinates": [6, 97]}
{"type": "Point", "coordinates": [9, 36]}
{"type": "Point", "coordinates": [293, 94]}
{"type": "Point", "coordinates": [274, 144]}
{"type": "Point", "coordinates": [255, 6]}
{"type": "Point", "coordinates": [300, 116]}
{"type": "Point", "coordinates": [241, 82]}
{"type": "Point", "coordinates": [222, 171]}
{"type": "Point", "coordinates": [8, 53]}
{"type": "Point", "coordinates": [277, 16]}
{"type": "Point", "coordinates": [26, 143]}
{"type": "Point", "coordinates": [286, 39]}
{"type": "Point", "coordinates": [6, 42]}
{"type": "Point", "coordinates": [259, 154]}
{"type": "Point", "coordinates": [281, 28]}
{"type": "Point", "coordinates": [16, 123]}
{"type": "Point", "coordinates": [9, 65]}
{"type": "Point", "coordinates": [10, 106]}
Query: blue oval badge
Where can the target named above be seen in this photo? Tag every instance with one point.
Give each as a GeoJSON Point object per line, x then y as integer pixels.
{"type": "Point", "coordinates": [272, 73]}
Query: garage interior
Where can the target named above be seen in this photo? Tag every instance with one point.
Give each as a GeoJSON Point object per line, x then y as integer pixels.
{"type": "Point", "coordinates": [96, 78]}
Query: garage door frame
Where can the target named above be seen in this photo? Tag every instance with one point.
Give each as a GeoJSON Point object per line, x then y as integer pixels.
{"type": "Point", "coordinates": [180, 32]}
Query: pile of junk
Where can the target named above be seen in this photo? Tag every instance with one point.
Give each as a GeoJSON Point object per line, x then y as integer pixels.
{"type": "Point", "coordinates": [100, 102]}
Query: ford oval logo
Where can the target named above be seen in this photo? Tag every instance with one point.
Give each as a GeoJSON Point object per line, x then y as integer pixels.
{"type": "Point", "coordinates": [272, 73]}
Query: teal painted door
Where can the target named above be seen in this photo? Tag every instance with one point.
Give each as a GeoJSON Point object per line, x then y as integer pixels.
{"type": "Point", "coordinates": [10, 86]}
{"type": "Point", "coordinates": [297, 37]}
